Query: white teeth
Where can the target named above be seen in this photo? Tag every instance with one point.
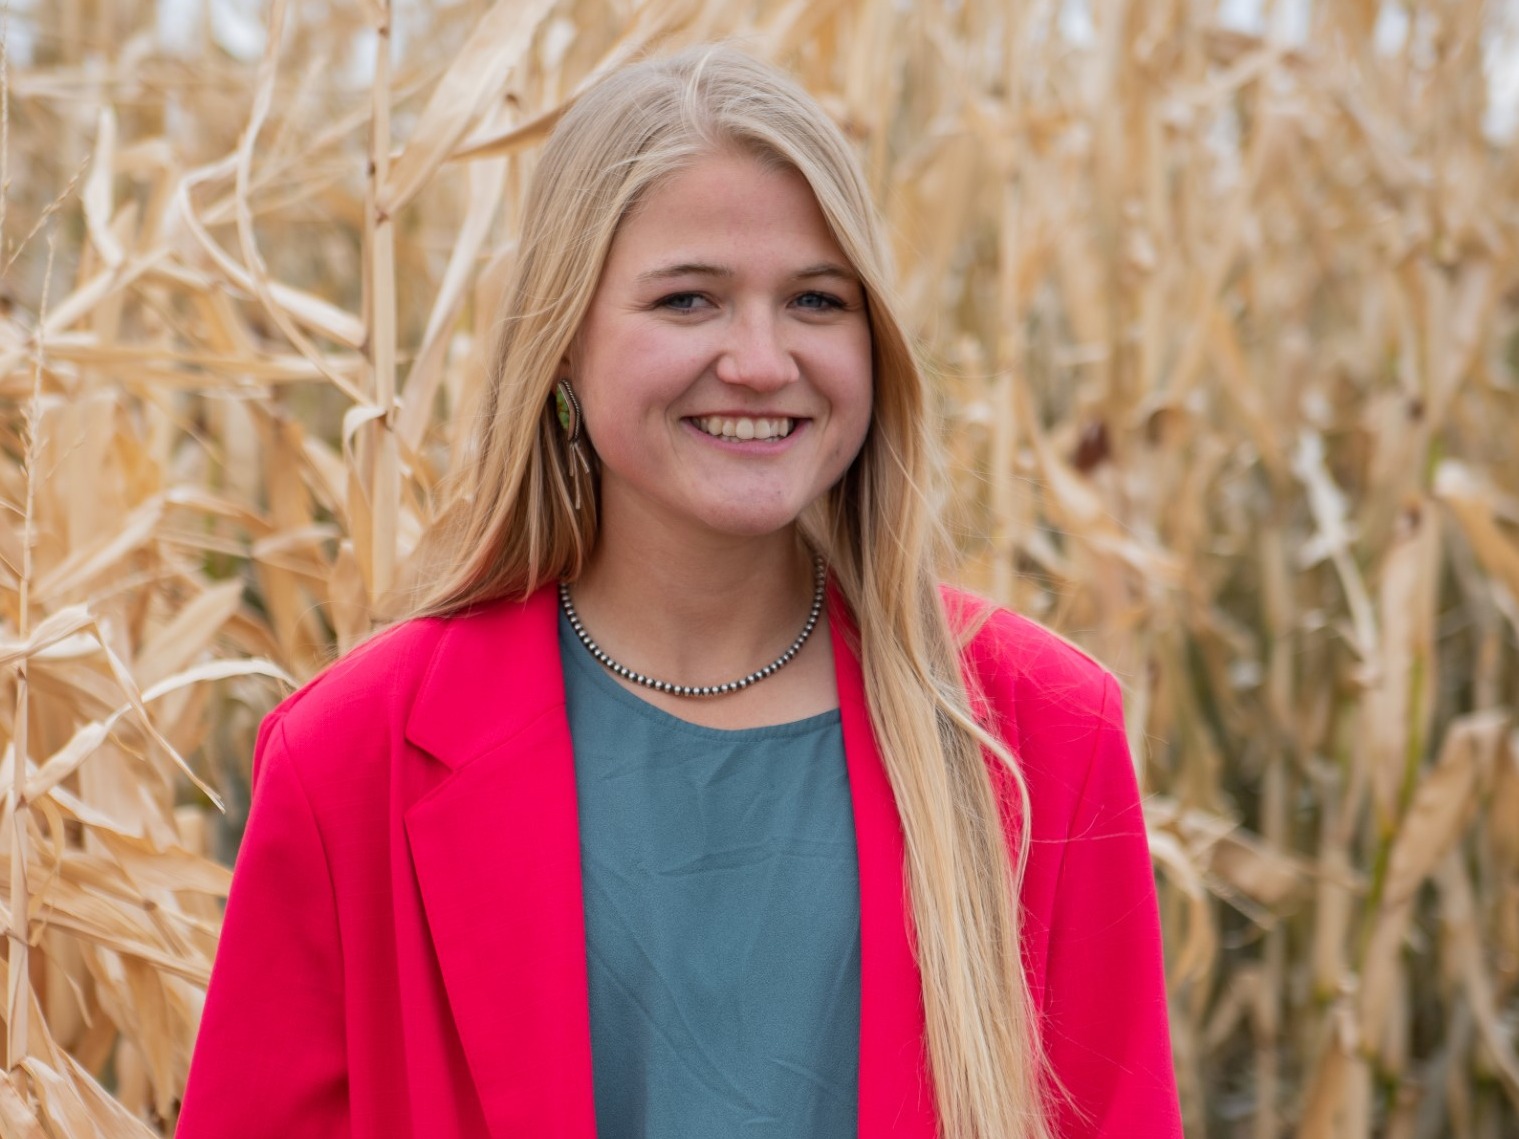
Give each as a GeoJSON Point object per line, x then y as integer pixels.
{"type": "Point", "coordinates": [744, 428]}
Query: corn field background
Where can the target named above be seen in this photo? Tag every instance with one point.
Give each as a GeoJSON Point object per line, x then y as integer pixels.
{"type": "Point", "coordinates": [1222, 300]}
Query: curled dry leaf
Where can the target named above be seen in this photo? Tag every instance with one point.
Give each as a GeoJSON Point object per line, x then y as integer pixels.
{"type": "Point", "coordinates": [1443, 803]}
{"type": "Point", "coordinates": [1399, 702]}
{"type": "Point", "coordinates": [1196, 950]}
{"type": "Point", "coordinates": [488, 62]}
{"type": "Point", "coordinates": [1474, 503]}
{"type": "Point", "coordinates": [17, 1116]}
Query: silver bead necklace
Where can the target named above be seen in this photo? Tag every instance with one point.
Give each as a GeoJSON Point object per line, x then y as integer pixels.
{"type": "Point", "coordinates": [820, 577]}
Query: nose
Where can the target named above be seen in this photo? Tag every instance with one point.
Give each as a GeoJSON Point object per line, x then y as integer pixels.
{"type": "Point", "coordinates": [755, 354]}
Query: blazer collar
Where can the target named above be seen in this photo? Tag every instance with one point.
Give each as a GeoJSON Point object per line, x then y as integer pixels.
{"type": "Point", "coordinates": [496, 849]}
{"type": "Point", "coordinates": [495, 669]}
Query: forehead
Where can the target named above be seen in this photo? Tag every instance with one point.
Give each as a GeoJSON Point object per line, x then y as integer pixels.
{"type": "Point", "coordinates": [726, 201]}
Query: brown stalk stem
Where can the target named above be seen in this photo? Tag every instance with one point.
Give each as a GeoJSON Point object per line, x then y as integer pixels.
{"type": "Point", "coordinates": [17, 988]}
{"type": "Point", "coordinates": [5, 120]}
{"type": "Point", "coordinates": [16, 979]}
{"type": "Point", "coordinates": [1005, 424]}
{"type": "Point", "coordinates": [383, 467]}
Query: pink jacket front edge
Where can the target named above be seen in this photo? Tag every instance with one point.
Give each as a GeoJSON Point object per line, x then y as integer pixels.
{"type": "Point", "coordinates": [404, 948]}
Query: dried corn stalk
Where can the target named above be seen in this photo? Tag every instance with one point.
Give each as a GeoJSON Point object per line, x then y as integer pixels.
{"type": "Point", "coordinates": [1224, 324]}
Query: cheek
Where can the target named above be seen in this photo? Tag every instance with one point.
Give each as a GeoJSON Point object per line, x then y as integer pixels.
{"type": "Point", "coordinates": [855, 399]}
{"type": "Point", "coordinates": [852, 446]}
{"type": "Point", "coordinates": [856, 368]}
{"type": "Point", "coordinates": [630, 367]}
{"type": "Point", "coordinates": [854, 425]}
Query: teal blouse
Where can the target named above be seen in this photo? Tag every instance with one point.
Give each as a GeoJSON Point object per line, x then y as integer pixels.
{"type": "Point", "coordinates": [722, 919]}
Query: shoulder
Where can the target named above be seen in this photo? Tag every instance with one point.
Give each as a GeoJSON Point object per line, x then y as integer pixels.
{"type": "Point", "coordinates": [360, 705]}
{"type": "Point", "coordinates": [353, 704]}
{"type": "Point", "coordinates": [1025, 670]}
{"type": "Point", "coordinates": [385, 668]}
{"type": "Point", "coordinates": [1060, 713]}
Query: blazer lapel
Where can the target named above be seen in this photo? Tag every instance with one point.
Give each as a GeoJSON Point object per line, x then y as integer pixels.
{"type": "Point", "coordinates": [896, 1096]}
{"type": "Point", "coordinates": [497, 857]}
{"type": "Point", "coordinates": [496, 849]}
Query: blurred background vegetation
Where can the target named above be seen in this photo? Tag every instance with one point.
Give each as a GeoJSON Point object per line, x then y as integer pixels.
{"type": "Point", "coordinates": [1221, 301]}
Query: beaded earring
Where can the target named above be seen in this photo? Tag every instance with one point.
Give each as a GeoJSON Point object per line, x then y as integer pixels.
{"type": "Point", "coordinates": [567, 407]}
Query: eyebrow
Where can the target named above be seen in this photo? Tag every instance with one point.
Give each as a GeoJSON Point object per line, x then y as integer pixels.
{"type": "Point", "coordinates": [828, 269]}
{"type": "Point", "coordinates": [704, 269]}
{"type": "Point", "coordinates": [686, 269]}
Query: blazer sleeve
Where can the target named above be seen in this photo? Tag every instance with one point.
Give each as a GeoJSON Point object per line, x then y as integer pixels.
{"type": "Point", "coordinates": [1106, 1028]}
{"type": "Point", "coordinates": [270, 1058]}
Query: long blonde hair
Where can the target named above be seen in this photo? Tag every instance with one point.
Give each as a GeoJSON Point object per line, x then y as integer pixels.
{"type": "Point", "coordinates": [516, 528]}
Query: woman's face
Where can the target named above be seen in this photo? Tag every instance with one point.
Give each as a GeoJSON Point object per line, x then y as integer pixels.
{"type": "Point", "coordinates": [724, 365]}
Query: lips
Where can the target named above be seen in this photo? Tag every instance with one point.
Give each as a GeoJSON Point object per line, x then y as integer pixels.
{"type": "Point", "coordinates": [744, 428]}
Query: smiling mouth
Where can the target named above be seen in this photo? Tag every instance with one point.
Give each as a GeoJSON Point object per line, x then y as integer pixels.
{"type": "Point", "coordinates": [744, 428]}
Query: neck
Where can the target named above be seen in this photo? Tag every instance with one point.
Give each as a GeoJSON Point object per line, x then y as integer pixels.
{"type": "Point", "coordinates": [695, 612]}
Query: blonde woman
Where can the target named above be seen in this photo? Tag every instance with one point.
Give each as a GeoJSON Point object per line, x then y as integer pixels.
{"type": "Point", "coordinates": [690, 804]}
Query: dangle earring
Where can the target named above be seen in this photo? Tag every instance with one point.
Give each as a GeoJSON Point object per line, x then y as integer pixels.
{"type": "Point", "coordinates": [571, 421]}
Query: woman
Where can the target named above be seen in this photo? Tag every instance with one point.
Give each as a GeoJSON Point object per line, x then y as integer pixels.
{"type": "Point", "coordinates": [691, 805]}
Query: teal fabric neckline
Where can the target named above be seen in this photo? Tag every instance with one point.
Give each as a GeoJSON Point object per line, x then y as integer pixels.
{"type": "Point", "coordinates": [721, 899]}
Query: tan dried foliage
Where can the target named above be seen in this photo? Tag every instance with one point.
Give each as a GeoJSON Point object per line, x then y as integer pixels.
{"type": "Point", "coordinates": [1225, 326]}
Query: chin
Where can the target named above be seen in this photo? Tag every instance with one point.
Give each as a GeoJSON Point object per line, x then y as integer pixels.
{"type": "Point", "coordinates": [751, 523]}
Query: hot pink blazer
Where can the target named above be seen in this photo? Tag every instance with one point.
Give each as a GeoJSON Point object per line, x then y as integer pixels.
{"type": "Point", "coordinates": [404, 948]}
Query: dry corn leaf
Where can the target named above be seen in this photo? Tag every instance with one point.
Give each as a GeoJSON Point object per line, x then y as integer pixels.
{"type": "Point", "coordinates": [1196, 950]}
{"type": "Point", "coordinates": [1399, 703]}
{"type": "Point", "coordinates": [17, 1117]}
{"type": "Point", "coordinates": [188, 634]}
{"type": "Point", "coordinates": [1474, 507]}
{"type": "Point", "coordinates": [1204, 310]}
{"type": "Point", "coordinates": [1443, 802]}
{"type": "Point", "coordinates": [1461, 927]}
{"type": "Point", "coordinates": [480, 72]}
{"type": "Point", "coordinates": [96, 196]}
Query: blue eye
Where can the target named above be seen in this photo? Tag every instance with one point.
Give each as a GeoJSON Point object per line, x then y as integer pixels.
{"type": "Point", "coordinates": [682, 302]}
{"type": "Point", "coordinates": [819, 302]}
